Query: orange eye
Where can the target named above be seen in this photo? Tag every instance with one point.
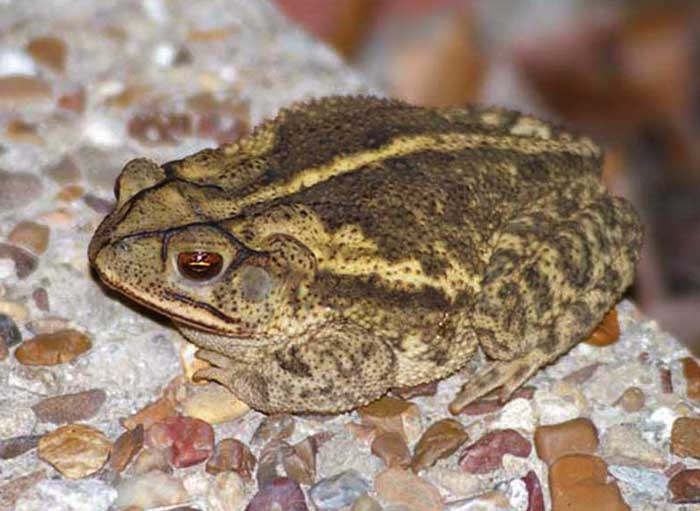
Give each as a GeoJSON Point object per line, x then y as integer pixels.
{"type": "Point", "coordinates": [199, 265]}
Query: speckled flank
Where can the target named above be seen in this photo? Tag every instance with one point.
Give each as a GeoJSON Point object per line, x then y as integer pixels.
{"type": "Point", "coordinates": [369, 243]}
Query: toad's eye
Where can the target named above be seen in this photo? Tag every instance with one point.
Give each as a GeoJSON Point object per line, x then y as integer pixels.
{"type": "Point", "coordinates": [199, 265]}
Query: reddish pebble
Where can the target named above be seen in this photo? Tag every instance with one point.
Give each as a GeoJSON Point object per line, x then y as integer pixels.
{"type": "Point", "coordinates": [16, 446]}
{"type": "Point", "coordinates": [231, 454]}
{"type": "Point", "coordinates": [487, 453]}
{"type": "Point", "coordinates": [535, 497]}
{"type": "Point", "coordinates": [51, 349]}
{"type": "Point", "coordinates": [70, 407]}
{"type": "Point", "coordinates": [186, 441]}
{"type": "Point", "coordinates": [685, 486]}
{"type": "Point", "coordinates": [281, 494]}
{"type": "Point", "coordinates": [73, 100]}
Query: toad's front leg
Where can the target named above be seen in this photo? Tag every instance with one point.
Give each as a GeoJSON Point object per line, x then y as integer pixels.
{"type": "Point", "coordinates": [336, 368]}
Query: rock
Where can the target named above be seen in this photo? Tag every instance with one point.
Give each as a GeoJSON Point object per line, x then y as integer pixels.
{"type": "Point", "coordinates": [516, 414]}
{"type": "Point", "coordinates": [456, 482]}
{"type": "Point", "coordinates": [150, 414]}
{"type": "Point", "coordinates": [685, 486]}
{"type": "Point", "coordinates": [226, 492]}
{"type": "Point", "coordinates": [270, 465]}
{"type": "Point", "coordinates": [535, 497]}
{"type": "Point", "coordinates": [642, 480]}
{"type": "Point", "coordinates": [75, 450]}
{"type": "Point", "coordinates": [64, 172]}
{"type": "Point", "coordinates": [11, 491]}
{"type": "Point", "coordinates": [150, 490]}
{"type": "Point", "coordinates": [150, 459]}
{"type": "Point", "coordinates": [665, 380]}
{"type": "Point", "coordinates": [41, 299]}
{"type": "Point", "coordinates": [490, 501]}
{"type": "Point", "coordinates": [67, 495]}
{"type": "Point", "coordinates": [685, 437]}
{"type": "Point", "coordinates": [232, 455]}
{"type": "Point", "coordinates": [70, 407]}
{"type": "Point", "coordinates": [338, 491]}
{"type": "Point", "coordinates": [25, 262]}
{"type": "Point", "coordinates": [486, 454]}
{"type": "Point", "coordinates": [73, 100]}
{"type": "Point", "coordinates": [578, 482]}
{"type": "Point", "coordinates": [398, 486]}
{"type": "Point", "coordinates": [158, 128]}
{"type": "Point", "coordinates": [623, 444]}
{"type": "Point", "coordinates": [214, 404]}
{"type": "Point", "coordinates": [490, 405]}
{"type": "Point", "coordinates": [632, 400]}
{"type": "Point", "coordinates": [70, 193]}
{"type": "Point", "coordinates": [439, 441]}
{"type": "Point", "coordinates": [577, 436]}
{"type": "Point", "coordinates": [299, 460]}
{"type": "Point", "coordinates": [365, 503]}
{"type": "Point", "coordinates": [273, 427]}
{"type": "Point", "coordinates": [31, 236]}
{"type": "Point", "coordinates": [391, 449]}
{"type": "Point", "coordinates": [551, 408]}
{"type": "Point", "coordinates": [282, 494]}
{"type": "Point", "coordinates": [52, 349]}
{"type": "Point", "coordinates": [607, 332]}
{"type": "Point", "coordinates": [126, 447]}
{"type": "Point", "coordinates": [49, 51]}
{"type": "Point", "coordinates": [9, 332]}
{"type": "Point", "coordinates": [185, 440]}
{"type": "Point", "coordinates": [20, 89]}
{"type": "Point", "coordinates": [390, 414]}
{"type": "Point", "coordinates": [16, 446]}
{"type": "Point", "coordinates": [49, 325]}
{"type": "Point", "coordinates": [691, 371]}
{"type": "Point", "coordinates": [17, 189]}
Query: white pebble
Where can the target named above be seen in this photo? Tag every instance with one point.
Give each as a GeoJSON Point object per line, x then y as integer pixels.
{"type": "Point", "coordinates": [153, 489]}
{"type": "Point", "coordinates": [516, 414]}
{"type": "Point", "coordinates": [14, 62]}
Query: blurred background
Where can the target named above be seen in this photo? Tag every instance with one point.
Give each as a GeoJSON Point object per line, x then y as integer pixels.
{"type": "Point", "coordinates": [625, 72]}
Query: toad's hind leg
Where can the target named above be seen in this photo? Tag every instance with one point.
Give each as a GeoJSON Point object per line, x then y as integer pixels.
{"type": "Point", "coordinates": [336, 368]}
{"type": "Point", "coordinates": [555, 270]}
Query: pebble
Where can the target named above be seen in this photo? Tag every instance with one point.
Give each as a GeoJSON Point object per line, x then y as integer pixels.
{"type": "Point", "coordinates": [623, 444]}
{"type": "Point", "coordinates": [11, 491]}
{"type": "Point", "coordinates": [214, 404]}
{"type": "Point", "coordinates": [489, 405]}
{"type": "Point", "coordinates": [632, 400]}
{"type": "Point", "coordinates": [685, 486]}
{"type": "Point", "coordinates": [607, 332]}
{"type": "Point", "coordinates": [16, 446]}
{"type": "Point", "coordinates": [67, 495]}
{"type": "Point", "coordinates": [49, 51]}
{"type": "Point", "coordinates": [551, 408]}
{"type": "Point", "coordinates": [49, 325]}
{"type": "Point", "coordinates": [579, 482]}
{"type": "Point", "coordinates": [577, 436]}
{"type": "Point", "coordinates": [75, 450]}
{"type": "Point", "coordinates": [403, 487]}
{"type": "Point", "coordinates": [491, 501]}
{"type": "Point", "coordinates": [70, 407]}
{"type": "Point", "coordinates": [299, 460]}
{"type": "Point", "coordinates": [282, 494]}
{"type": "Point", "coordinates": [127, 445]}
{"type": "Point", "coordinates": [456, 482]}
{"type": "Point", "coordinates": [486, 454]}
{"type": "Point", "coordinates": [641, 479]}
{"type": "Point", "coordinates": [226, 492]}
{"type": "Point", "coordinates": [150, 490]}
{"type": "Point", "coordinates": [691, 371]}
{"type": "Point", "coordinates": [665, 380]}
{"type": "Point", "coordinates": [158, 128]}
{"type": "Point", "coordinates": [41, 299]}
{"type": "Point", "coordinates": [273, 427]}
{"type": "Point", "coordinates": [9, 332]}
{"type": "Point", "coordinates": [365, 503]}
{"type": "Point", "coordinates": [65, 171]}
{"type": "Point", "coordinates": [70, 193]}
{"type": "Point", "coordinates": [98, 204]}
{"type": "Point", "coordinates": [19, 89]}
{"type": "Point", "coordinates": [73, 100]}
{"type": "Point", "coordinates": [232, 455]}
{"type": "Point", "coordinates": [19, 130]}
{"type": "Point", "coordinates": [186, 441]}
{"type": "Point", "coordinates": [30, 235]}
{"type": "Point", "coordinates": [582, 375]}
{"type": "Point", "coordinates": [18, 312]}
{"type": "Point", "coordinates": [150, 414]}
{"type": "Point", "coordinates": [52, 349]}
{"type": "Point", "coordinates": [516, 414]}
{"type": "Point", "coordinates": [390, 414]}
{"type": "Point", "coordinates": [685, 437]}
{"type": "Point", "coordinates": [148, 460]}
{"type": "Point", "coordinates": [535, 497]}
{"type": "Point", "coordinates": [391, 449]}
{"type": "Point", "coordinates": [270, 466]}
{"type": "Point", "coordinates": [439, 441]}
{"type": "Point", "coordinates": [338, 491]}
{"type": "Point", "coordinates": [25, 262]}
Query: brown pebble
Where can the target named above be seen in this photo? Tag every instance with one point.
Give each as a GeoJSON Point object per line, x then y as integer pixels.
{"type": "Point", "coordinates": [156, 128]}
{"type": "Point", "coordinates": [15, 488]}
{"type": "Point", "coordinates": [234, 455]}
{"type": "Point", "coordinates": [582, 375]}
{"type": "Point", "coordinates": [439, 441]}
{"type": "Point", "coordinates": [52, 349]}
{"type": "Point", "coordinates": [75, 450]}
{"type": "Point", "coordinates": [150, 414]}
{"type": "Point", "coordinates": [577, 436]}
{"type": "Point", "coordinates": [666, 380]}
{"type": "Point", "coordinates": [126, 447]}
{"type": "Point", "coordinates": [273, 427]}
{"type": "Point", "coordinates": [73, 100]}
{"type": "Point", "coordinates": [579, 482]}
{"type": "Point", "coordinates": [64, 172]}
{"type": "Point", "coordinates": [404, 488]}
{"type": "Point", "coordinates": [17, 189]}
{"type": "Point", "coordinates": [70, 193]}
{"type": "Point", "coordinates": [299, 460]}
{"type": "Point", "coordinates": [390, 414]}
{"type": "Point", "coordinates": [685, 486]}
{"type": "Point", "coordinates": [691, 371]}
{"type": "Point", "coordinates": [98, 204]}
{"type": "Point", "coordinates": [19, 130]}
{"type": "Point", "coordinates": [632, 399]}
{"type": "Point", "coordinates": [148, 460]}
{"type": "Point", "coordinates": [49, 51]}
{"type": "Point", "coordinates": [41, 299]}
{"type": "Point", "coordinates": [607, 332]}
{"type": "Point", "coordinates": [16, 446]}
{"type": "Point", "coordinates": [70, 407]}
{"type": "Point", "coordinates": [18, 89]}
{"type": "Point", "coordinates": [25, 262]}
{"type": "Point", "coordinates": [685, 437]}
{"type": "Point", "coordinates": [391, 449]}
